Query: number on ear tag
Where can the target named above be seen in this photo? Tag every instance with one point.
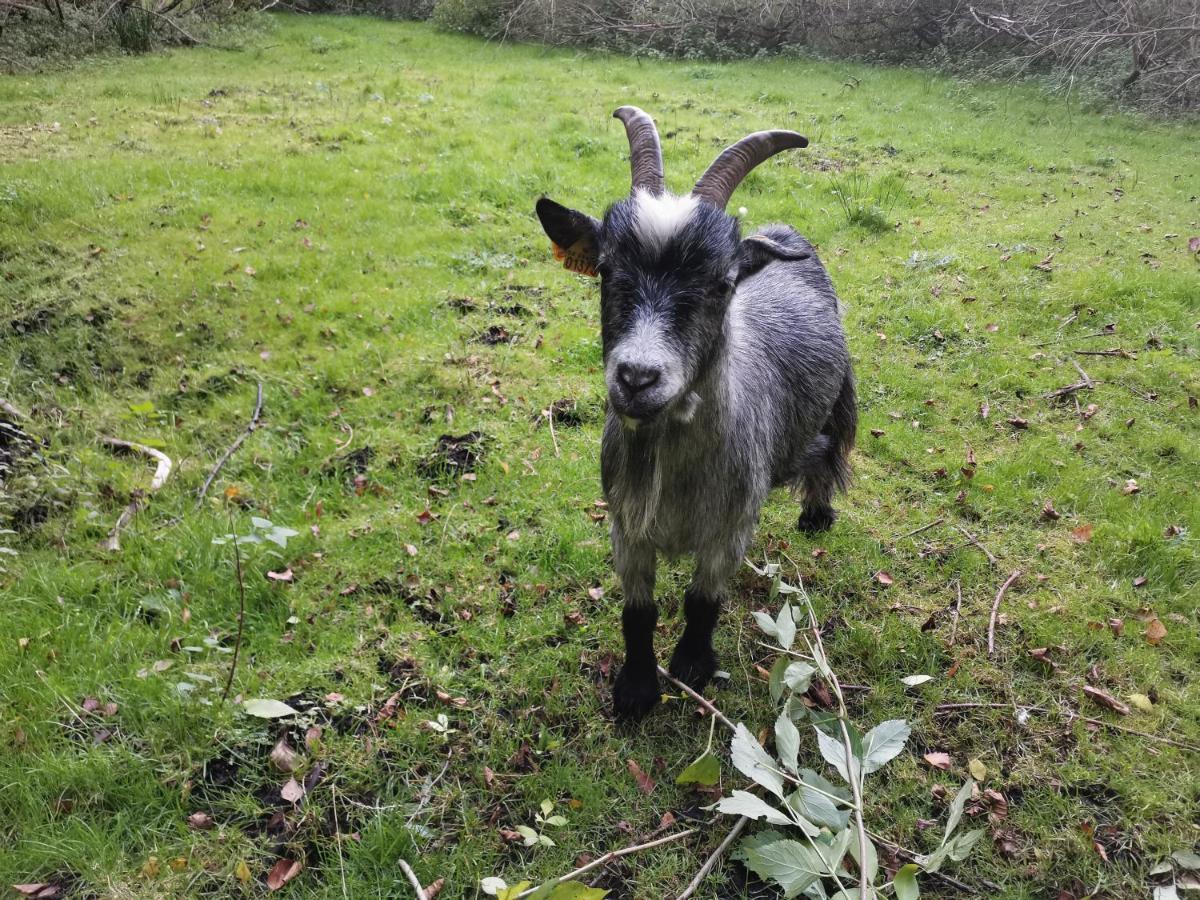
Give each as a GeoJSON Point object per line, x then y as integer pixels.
{"type": "Point", "coordinates": [577, 257]}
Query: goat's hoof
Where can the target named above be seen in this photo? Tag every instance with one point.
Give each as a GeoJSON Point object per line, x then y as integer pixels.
{"type": "Point", "coordinates": [634, 694]}
{"type": "Point", "coordinates": [695, 667]}
{"type": "Point", "coordinates": [817, 519]}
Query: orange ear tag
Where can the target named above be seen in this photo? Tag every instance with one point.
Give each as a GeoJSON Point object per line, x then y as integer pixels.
{"type": "Point", "coordinates": [576, 258]}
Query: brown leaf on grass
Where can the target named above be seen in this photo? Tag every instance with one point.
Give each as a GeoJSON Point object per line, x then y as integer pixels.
{"type": "Point", "coordinates": [997, 805]}
{"type": "Point", "coordinates": [200, 821]}
{"type": "Point", "coordinates": [312, 737]}
{"type": "Point", "coordinates": [286, 576]}
{"type": "Point", "coordinates": [282, 872]}
{"type": "Point", "coordinates": [1046, 264]}
{"type": "Point", "coordinates": [513, 837]}
{"type": "Point", "coordinates": [1082, 534]}
{"type": "Point", "coordinates": [292, 791]}
{"type": "Point", "coordinates": [644, 782]}
{"type": "Point", "coordinates": [985, 409]}
{"type": "Point", "coordinates": [1018, 423]}
{"type": "Point", "coordinates": [283, 756]}
{"type": "Point", "coordinates": [938, 760]}
{"type": "Point", "coordinates": [1155, 631]}
{"type": "Point", "coordinates": [1194, 244]}
{"type": "Point", "coordinates": [1103, 698]}
{"type": "Point", "coordinates": [883, 578]}
{"type": "Point", "coordinates": [1131, 487]}
{"type": "Point", "coordinates": [1140, 581]}
{"type": "Point", "coordinates": [425, 517]}
{"type": "Point", "coordinates": [596, 593]}
{"type": "Point", "coordinates": [435, 888]}
{"type": "Point", "coordinates": [1049, 513]}
{"type": "Point", "coordinates": [1006, 843]}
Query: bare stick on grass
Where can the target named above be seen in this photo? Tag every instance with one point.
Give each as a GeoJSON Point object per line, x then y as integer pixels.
{"type": "Point", "coordinates": [975, 542]}
{"type": "Point", "coordinates": [249, 430]}
{"type": "Point", "coordinates": [710, 863]}
{"type": "Point", "coordinates": [413, 880]}
{"type": "Point", "coordinates": [609, 857]}
{"type": "Point", "coordinates": [707, 704]}
{"type": "Point", "coordinates": [241, 583]}
{"type": "Point", "coordinates": [996, 610]}
{"type": "Point", "coordinates": [161, 473]}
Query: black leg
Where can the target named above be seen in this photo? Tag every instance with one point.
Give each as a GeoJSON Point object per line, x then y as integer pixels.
{"type": "Point", "coordinates": [816, 518]}
{"type": "Point", "coordinates": [635, 692]}
{"type": "Point", "coordinates": [694, 660]}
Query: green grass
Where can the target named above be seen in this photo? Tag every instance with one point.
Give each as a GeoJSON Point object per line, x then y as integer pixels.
{"type": "Point", "coordinates": [310, 213]}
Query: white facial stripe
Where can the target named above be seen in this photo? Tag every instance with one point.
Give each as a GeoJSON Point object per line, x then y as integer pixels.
{"type": "Point", "coordinates": [660, 217]}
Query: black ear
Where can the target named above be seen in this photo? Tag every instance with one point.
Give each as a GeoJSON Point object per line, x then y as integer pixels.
{"type": "Point", "coordinates": [758, 250]}
{"type": "Point", "coordinates": [575, 235]}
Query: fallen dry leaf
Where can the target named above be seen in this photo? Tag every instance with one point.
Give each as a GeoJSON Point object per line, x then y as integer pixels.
{"type": "Point", "coordinates": [282, 872]}
{"type": "Point", "coordinates": [1103, 698]}
{"type": "Point", "coordinates": [283, 756]}
{"type": "Point", "coordinates": [1155, 631]}
{"type": "Point", "coordinates": [644, 782]}
{"type": "Point", "coordinates": [938, 760]}
{"type": "Point", "coordinates": [200, 821]}
{"type": "Point", "coordinates": [285, 576]}
{"type": "Point", "coordinates": [1049, 513]}
{"type": "Point", "coordinates": [292, 791]}
{"type": "Point", "coordinates": [883, 578]}
{"type": "Point", "coordinates": [1082, 534]}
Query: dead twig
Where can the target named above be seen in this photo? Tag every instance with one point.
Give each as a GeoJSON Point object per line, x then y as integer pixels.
{"type": "Point", "coordinates": [942, 708]}
{"type": "Point", "coordinates": [241, 584]}
{"type": "Point", "coordinates": [609, 857]}
{"type": "Point", "coordinates": [934, 524]}
{"type": "Point", "coordinates": [996, 610]}
{"type": "Point", "coordinates": [975, 542]}
{"type": "Point", "coordinates": [957, 610]}
{"type": "Point", "coordinates": [707, 704]}
{"type": "Point", "coordinates": [1115, 351]}
{"type": "Point", "coordinates": [161, 473]}
{"type": "Point", "coordinates": [711, 862]}
{"type": "Point", "coordinates": [412, 879]}
{"type": "Point", "coordinates": [249, 430]}
{"type": "Point", "coordinates": [553, 436]}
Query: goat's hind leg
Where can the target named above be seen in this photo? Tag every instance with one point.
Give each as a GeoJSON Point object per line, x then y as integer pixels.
{"type": "Point", "coordinates": [825, 467]}
{"type": "Point", "coordinates": [636, 691]}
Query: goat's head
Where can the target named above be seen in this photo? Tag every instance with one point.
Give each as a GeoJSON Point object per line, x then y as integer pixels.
{"type": "Point", "coordinates": [668, 266]}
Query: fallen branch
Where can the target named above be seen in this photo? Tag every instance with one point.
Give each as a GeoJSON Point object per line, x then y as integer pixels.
{"type": "Point", "coordinates": [412, 879]}
{"type": "Point", "coordinates": [996, 610]}
{"type": "Point", "coordinates": [249, 430]}
{"type": "Point", "coordinates": [161, 473]}
{"type": "Point", "coordinates": [707, 704]}
{"type": "Point", "coordinates": [957, 610]}
{"type": "Point", "coordinates": [606, 859]}
{"type": "Point", "coordinates": [711, 862]}
{"type": "Point", "coordinates": [936, 522]}
{"type": "Point", "coordinates": [241, 583]}
{"type": "Point", "coordinates": [1100, 723]}
{"type": "Point", "coordinates": [975, 541]}
{"type": "Point", "coordinates": [1115, 351]}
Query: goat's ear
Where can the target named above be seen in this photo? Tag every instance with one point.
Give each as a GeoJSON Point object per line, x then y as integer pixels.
{"type": "Point", "coordinates": [758, 250]}
{"type": "Point", "coordinates": [574, 234]}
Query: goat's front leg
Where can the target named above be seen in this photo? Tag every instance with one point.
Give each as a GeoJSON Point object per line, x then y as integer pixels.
{"type": "Point", "coordinates": [694, 661]}
{"type": "Point", "coordinates": [635, 692]}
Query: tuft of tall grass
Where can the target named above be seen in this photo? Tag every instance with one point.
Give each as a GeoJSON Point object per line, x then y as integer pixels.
{"type": "Point", "coordinates": [866, 201]}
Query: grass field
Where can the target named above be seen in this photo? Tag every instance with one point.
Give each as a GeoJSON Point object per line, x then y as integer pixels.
{"type": "Point", "coordinates": [345, 214]}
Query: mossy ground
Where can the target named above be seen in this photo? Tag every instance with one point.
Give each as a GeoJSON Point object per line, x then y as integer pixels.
{"type": "Point", "coordinates": [343, 212]}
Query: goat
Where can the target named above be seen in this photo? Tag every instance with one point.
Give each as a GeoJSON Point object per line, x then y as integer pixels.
{"type": "Point", "coordinates": [727, 374]}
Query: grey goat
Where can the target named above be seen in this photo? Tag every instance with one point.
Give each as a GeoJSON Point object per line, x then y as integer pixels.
{"type": "Point", "coordinates": [727, 375]}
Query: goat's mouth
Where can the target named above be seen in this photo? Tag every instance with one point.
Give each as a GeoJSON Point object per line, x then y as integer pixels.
{"type": "Point", "coordinates": [640, 408]}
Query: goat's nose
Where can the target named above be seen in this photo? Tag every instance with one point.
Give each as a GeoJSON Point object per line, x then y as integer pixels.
{"type": "Point", "coordinates": [637, 378]}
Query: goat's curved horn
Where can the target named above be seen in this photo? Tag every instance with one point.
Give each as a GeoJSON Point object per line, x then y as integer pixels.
{"type": "Point", "coordinates": [721, 179]}
{"type": "Point", "coordinates": [645, 154]}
